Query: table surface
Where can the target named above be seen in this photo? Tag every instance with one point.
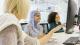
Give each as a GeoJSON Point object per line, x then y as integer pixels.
{"type": "Point", "coordinates": [59, 38]}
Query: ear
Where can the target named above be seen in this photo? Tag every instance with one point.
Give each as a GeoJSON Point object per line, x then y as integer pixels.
{"type": "Point", "coordinates": [8, 36]}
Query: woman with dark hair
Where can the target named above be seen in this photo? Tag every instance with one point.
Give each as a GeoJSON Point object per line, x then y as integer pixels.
{"type": "Point", "coordinates": [54, 20]}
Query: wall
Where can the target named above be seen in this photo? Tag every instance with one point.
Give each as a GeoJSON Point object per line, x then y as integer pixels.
{"type": "Point", "coordinates": [46, 7]}
{"type": "Point", "coordinates": [60, 6]}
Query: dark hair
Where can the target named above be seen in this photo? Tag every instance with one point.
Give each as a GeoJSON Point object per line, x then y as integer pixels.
{"type": "Point", "coordinates": [51, 17]}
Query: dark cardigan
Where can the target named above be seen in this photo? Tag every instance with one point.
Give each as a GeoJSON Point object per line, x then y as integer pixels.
{"type": "Point", "coordinates": [53, 25]}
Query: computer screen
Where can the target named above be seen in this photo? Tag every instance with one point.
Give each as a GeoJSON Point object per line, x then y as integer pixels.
{"type": "Point", "coordinates": [70, 15]}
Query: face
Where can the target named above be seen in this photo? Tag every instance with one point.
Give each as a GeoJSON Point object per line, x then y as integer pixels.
{"type": "Point", "coordinates": [57, 18]}
{"type": "Point", "coordinates": [37, 17]}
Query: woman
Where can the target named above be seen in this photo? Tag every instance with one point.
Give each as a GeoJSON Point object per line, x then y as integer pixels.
{"type": "Point", "coordinates": [34, 29]}
{"type": "Point", "coordinates": [54, 20]}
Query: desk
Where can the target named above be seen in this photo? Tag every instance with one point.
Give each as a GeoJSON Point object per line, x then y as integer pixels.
{"type": "Point", "coordinates": [59, 38]}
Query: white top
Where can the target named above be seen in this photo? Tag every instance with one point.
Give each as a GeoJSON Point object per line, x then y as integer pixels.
{"type": "Point", "coordinates": [9, 19]}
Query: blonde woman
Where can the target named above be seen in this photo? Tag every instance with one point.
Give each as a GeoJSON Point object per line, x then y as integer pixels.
{"type": "Point", "coordinates": [15, 35]}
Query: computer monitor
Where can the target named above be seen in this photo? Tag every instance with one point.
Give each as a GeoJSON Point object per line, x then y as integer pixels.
{"type": "Point", "coordinates": [79, 17]}
{"type": "Point", "coordinates": [70, 15]}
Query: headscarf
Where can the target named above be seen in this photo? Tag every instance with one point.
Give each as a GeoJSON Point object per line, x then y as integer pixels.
{"type": "Point", "coordinates": [32, 21]}
{"type": "Point", "coordinates": [35, 26]}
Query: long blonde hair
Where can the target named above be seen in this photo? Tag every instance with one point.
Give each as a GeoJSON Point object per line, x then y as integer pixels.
{"type": "Point", "coordinates": [18, 7]}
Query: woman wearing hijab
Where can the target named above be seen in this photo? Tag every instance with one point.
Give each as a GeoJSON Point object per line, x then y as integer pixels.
{"type": "Point", "coordinates": [34, 29]}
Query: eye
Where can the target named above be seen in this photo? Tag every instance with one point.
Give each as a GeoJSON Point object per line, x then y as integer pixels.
{"type": "Point", "coordinates": [37, 15]}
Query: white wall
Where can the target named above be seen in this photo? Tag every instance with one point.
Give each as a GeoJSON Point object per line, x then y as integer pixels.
{"type": "Point", "coordinates": [59, 6]}
{"type": "Point", "coordinates": [2, 6]}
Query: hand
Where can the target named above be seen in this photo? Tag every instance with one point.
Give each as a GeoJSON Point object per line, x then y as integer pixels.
{"type": "Point", "coordinates": [63, 25]}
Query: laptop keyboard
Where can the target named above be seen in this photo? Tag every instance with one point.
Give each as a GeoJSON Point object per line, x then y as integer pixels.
{"type": "Point", "coordinates": [72, 40]}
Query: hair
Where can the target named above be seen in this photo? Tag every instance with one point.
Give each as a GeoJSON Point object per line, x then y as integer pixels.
{"type": "Point", "coordinates": [18, 7]}
{"type": "Point", "coordinates": [51, 17]}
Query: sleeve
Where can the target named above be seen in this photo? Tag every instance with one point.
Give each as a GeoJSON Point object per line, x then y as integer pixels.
{"type": "Point", "coordinates": [30, 41]}
{"type": "Point", "coordinates": [41, 30]}
{"type": "Point", "coordinates": [30, 31]}
{"type": "Point", "coordinates": [50, 26]}
{"type": "Point", "coordinates": [37, 42]}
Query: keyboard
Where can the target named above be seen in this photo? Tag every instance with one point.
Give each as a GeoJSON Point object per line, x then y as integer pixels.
{"type": "Point", "coordinates": [71, 41]}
